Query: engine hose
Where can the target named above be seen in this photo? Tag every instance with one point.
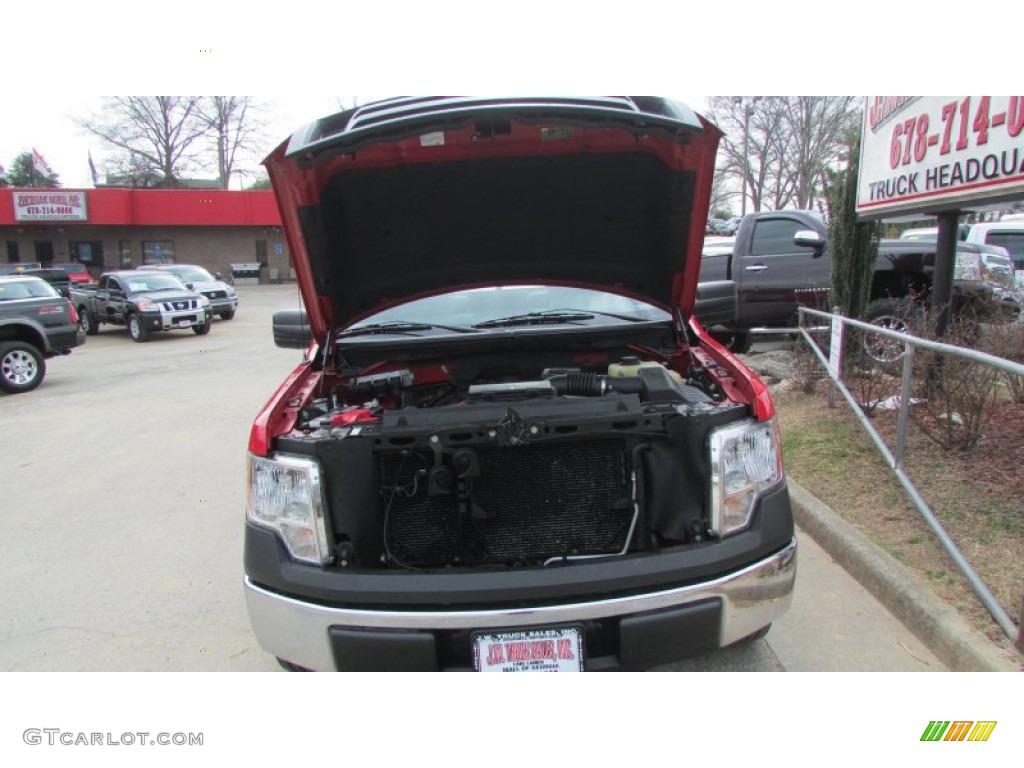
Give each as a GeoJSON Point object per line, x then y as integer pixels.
{"type": "Point", "coordinates": [582, 384]}
{"type": "Point", "coordinates": [579, 383]}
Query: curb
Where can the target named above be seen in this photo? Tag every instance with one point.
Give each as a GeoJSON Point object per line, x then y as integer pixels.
{"type": "Point", "coordinates": [934, 622]}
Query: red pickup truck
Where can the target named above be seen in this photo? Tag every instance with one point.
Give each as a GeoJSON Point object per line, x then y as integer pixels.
{"type": "Point", "coordinates": [510, 446]}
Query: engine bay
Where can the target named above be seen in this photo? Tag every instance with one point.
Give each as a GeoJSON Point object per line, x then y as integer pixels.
{"type": "Point", "coordinates": [498, 461]}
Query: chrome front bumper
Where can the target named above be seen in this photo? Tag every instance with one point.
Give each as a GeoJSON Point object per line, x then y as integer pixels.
{"type": "Point", "coordinates": [166, 321]}
{"type": "Point", "coordinates": [297, 631]}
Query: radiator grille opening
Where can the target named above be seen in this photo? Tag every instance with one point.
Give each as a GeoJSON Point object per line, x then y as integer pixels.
{"type": "Point", "coordinates": [527, 504]}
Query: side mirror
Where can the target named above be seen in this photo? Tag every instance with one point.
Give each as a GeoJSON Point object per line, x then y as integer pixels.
{"type": "Point", "coordinates": [218, 275]}
{"type": "Point", "coordinates": [291, 329]}
{"type": "Point", "coordinates": [190, 286]}
{"type": "Point", "coordinates": [808, 238]}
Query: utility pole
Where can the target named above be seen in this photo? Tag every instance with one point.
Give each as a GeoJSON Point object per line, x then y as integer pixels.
{"type": "Point", "coordinates": [748, 110]}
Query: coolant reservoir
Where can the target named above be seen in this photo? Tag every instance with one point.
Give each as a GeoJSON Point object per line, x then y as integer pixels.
{"type": "Point", "coordinates": [630, 367]}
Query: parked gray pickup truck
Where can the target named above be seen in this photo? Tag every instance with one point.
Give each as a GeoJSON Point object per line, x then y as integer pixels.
{"type": "Point", "coordinates": [36, 322]}
{"type": "Point", "coordinates": [144, 301]}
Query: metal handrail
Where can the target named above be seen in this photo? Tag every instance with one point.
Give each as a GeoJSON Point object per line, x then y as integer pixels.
{"type": "Point", "coordinates": [936, 346]}
{"type": "Point", "coordinates": [895, 461]}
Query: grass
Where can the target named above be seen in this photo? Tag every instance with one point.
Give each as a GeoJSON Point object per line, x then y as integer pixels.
{"type": "Point", "coordinates": [978, 496]}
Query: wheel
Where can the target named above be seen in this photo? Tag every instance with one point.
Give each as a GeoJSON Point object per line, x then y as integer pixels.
{"type": "Point", "coordinates": [22, 366]}
{"type": "Point", "coordinates": [201, 330]}
{"type": "Point", "coordinates": [87, 321]}
{"type": "Point", "coordinates": [895, 315]}
{"type": "Point", "coordinates": [736, 342]}
{"type": "Point", "coordinates": [136, 329]}
{"type": "Point", "coordinates": [287, 666]}
{"type": "Point", "coordinates": [227, 315]}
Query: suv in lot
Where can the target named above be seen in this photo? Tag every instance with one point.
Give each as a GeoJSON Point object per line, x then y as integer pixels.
{"type": "Point", "coordinates": [222, 297]}
{"type": "Point", "coordinates": [36, 323]}
{"type": "Point", "coordinates": [511, 445]}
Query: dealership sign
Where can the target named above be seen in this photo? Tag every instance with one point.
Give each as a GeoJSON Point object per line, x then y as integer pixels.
{"type": "Point", "coordinates": [50, 205]}
{"type": "Point", "coordinates": [924, 154]}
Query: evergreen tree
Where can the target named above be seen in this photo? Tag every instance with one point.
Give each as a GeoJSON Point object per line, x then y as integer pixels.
{"type": "Point", "coordinates": [853, 246]}
{"type": "Point", "coordinates": [23, 173]}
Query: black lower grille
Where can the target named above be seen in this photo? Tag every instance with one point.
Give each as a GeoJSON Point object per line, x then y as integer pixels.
{"type": "Point", "coordinates": [526, 504]}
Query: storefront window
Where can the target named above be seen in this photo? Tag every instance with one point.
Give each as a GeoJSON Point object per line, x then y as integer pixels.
{"type": "Point", "coordinates": [89, 253]}
{"type": "Point", "coordinates": [157, 251]}
{"type": "Point", "coordinates": [125, 248]}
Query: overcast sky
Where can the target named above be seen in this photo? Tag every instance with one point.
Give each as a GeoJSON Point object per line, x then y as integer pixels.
{"type": "Point", "coordinates": [303, 55]}
{"type": "Point", "coordinates": [48, 126]}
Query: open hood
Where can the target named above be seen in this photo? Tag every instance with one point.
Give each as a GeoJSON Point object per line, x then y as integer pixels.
{"type": "Point", "coordinates": [413, 196]}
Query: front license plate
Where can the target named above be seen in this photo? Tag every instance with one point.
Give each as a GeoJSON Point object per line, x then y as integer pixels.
{"type": "Point", "coordinates": [531, 650]}
{"type": "Point", "coordinates": [185, 323]}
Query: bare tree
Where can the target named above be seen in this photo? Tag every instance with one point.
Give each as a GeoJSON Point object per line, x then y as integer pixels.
{"type": "Point", "coordinates": [163, 131]}
{"type": "Point", "coordinates": [132, 170]}
{"type": "Point", "coordinates": [235, 126]}
{"type": "Point", "coordinates": [790, 141]}
{"type": "Point", "coordinates": [758, 126]}
{"type": "Point", "coordinates": [817, 131]}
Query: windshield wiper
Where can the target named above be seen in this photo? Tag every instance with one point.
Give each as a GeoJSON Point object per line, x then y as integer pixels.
{"type": "Point", "coordinates": [552, 316]}
{"type": "Point", "coordinates": [401, 327]}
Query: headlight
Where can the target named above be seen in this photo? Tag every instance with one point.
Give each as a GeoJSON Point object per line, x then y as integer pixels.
{"type": "Point", "coordinates": [148, 306]}
{"type": "Point", "coordinates": [203, 301]}
{"type": "Point", "coordinates": [746, 460]}
{"type": "Point", "coordinates": [286, 495]}
{"type": "Point", "coordinates": [230, 292]}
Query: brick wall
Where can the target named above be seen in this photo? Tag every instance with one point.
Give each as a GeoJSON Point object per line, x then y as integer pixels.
{"type": "Point", "coordinates": [215, 248]}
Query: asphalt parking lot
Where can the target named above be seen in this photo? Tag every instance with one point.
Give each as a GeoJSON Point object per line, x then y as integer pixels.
{"type": "Point", "coordinates": [123, 493]}
{"type": "Point", "coordinates": [124, 488]}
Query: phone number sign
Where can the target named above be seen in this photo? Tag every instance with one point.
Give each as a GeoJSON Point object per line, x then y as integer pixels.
{"type": "Point", "coordinates": [50, 205]}
{"type": "Point", "coordinates": [930, 153]}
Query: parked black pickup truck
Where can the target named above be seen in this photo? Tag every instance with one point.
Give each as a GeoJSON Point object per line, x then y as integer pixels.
{"type": "Point", "coordinates": [35, 323]}
{"type": "Point", "coordinates": [780, 261]}
{"type": "Point", "coordinates": [143, 301]}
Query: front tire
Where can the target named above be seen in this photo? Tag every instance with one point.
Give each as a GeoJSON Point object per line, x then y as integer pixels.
{"type": "Point", "coordinates": [895, 315]}
{"type": "Point", "coordinates": [87, 320]}
{"type": "Point", "coordinates": [136, 330]}
{"type": "Point", "coordinates": [201, 330]}
{"type": "Point", "coordinates": [22, 367]}
{"type": "Point", "coordinates": [736, 342]}
{"type": "Point", "coordinates": [227, 315]}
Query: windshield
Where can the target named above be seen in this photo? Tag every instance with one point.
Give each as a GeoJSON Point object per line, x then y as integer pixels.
{"type": "Point", "coordinates": [153, 282]}
{"type": "Point", "coordinates": [479, 305]}
{"type": "Point", "coordinates": [26, 289]}
{"type": "Point", "coordinates": [193, 274]}
{"type": "Point", "coordinates": [1012, 242]}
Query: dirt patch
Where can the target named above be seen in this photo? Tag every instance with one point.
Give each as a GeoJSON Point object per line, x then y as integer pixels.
{"type": "Point", "coordinates": [978, 495]}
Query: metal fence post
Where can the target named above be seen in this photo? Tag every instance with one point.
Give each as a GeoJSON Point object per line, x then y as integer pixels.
{"type": "Point", "coordinates": [838, 356]}
{"type": "Point", "coordinates": [901, 432]}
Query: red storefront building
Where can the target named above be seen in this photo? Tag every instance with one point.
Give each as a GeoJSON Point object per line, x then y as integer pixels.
{"type": "Point", "coordinates": [108, 229]}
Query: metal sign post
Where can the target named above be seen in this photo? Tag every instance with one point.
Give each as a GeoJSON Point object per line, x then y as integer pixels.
{"type": "Point", "coordinates": [945, 259]}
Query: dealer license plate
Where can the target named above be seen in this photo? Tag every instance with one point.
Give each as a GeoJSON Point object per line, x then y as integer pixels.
{"type": "Point", "coordinates": [185, 323]}
{"type": "Point", "coordinates": [531, 650]}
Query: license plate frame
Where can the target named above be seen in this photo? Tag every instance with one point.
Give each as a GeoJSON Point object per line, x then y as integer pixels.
{"type": "Point", "coordinates": [543, 649]}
